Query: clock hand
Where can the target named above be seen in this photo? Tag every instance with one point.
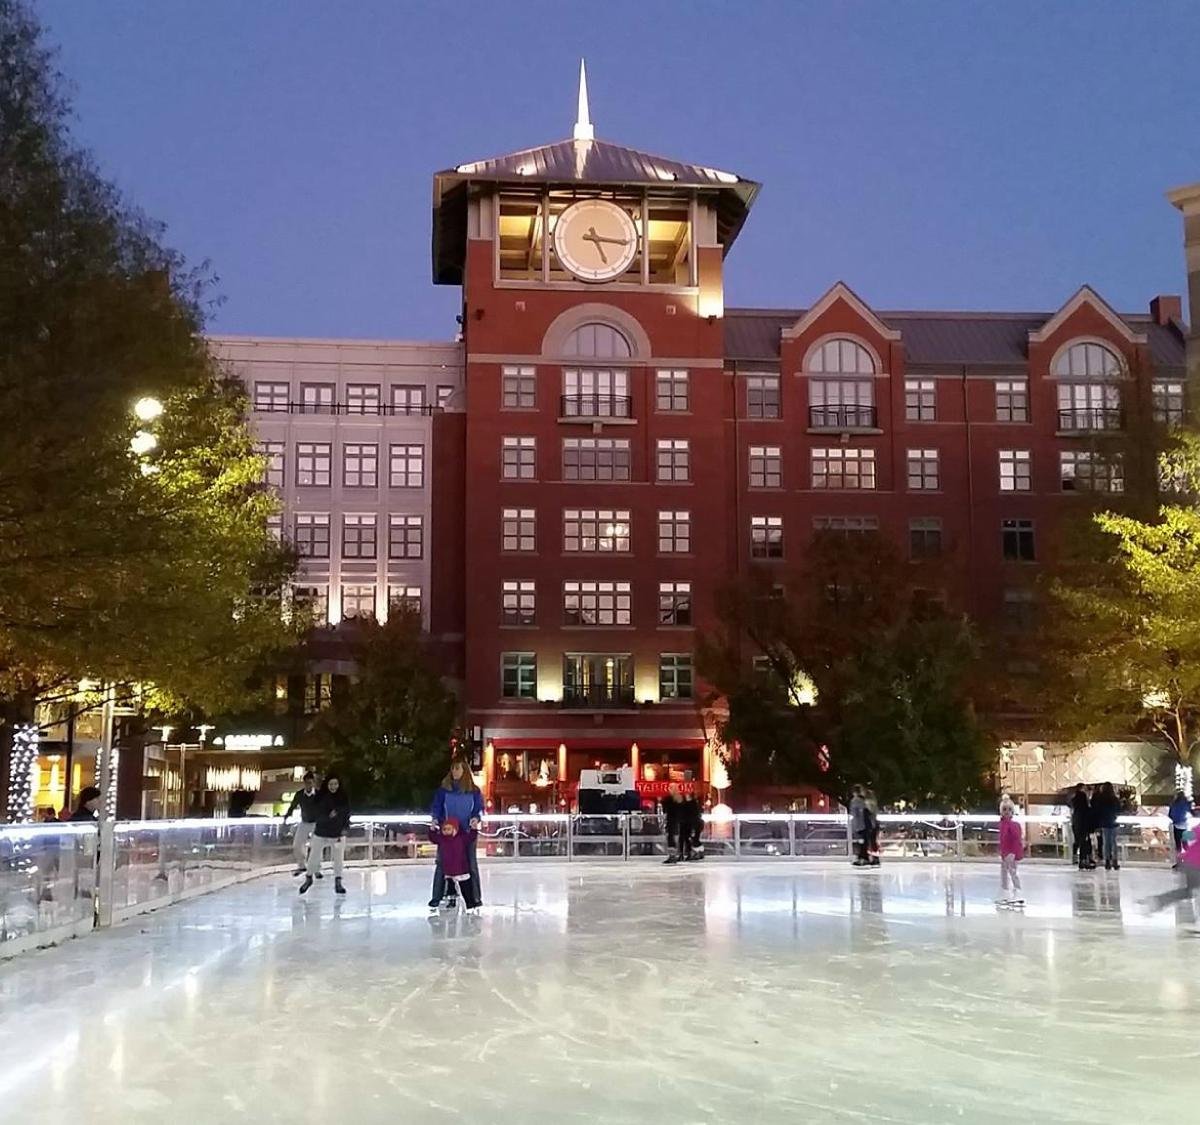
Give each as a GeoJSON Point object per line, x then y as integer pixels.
{"type": "Point", "coordinates": [594, 238]}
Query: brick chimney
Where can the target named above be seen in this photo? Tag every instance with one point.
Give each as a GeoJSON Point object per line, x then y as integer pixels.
{"type": "Point", "coordinates": [1165, 308]}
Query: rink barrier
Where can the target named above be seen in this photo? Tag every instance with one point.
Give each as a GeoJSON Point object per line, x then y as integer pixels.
{"type": "Point", "coordinates": [62, 880]}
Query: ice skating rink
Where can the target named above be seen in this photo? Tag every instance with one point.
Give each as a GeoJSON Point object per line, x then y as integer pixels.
{"type": "Point", "coordinates": [716, 992]}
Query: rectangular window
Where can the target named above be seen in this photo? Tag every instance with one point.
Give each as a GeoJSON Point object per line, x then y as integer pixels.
{"type": "Point", "coordinates": [925, 538]}
{"type": "Point", "coordinates": [923, 470]}
{"type": "Point", "coordinates": [674, 603]}
{"type": "Point", "coordinates": [592, 393]}
{"type": "Point", "coordinates": [671, 392]}
{"type": "Point", "coordinates": [271, 398]}
{"type": "Point", "coordinates": [360, 465]}
{"type": "Point", "coordinates": [1169, 400]}
{"type": "Point", "coordinates": [846, 525]}
{"type": "Point", "coordinates": [406, 537]}
{"type": "Point", "coordinates": [1017, 540]}
{"type": "Point", "coordinates": [517, 601]}
{"type": "Point", "coordinates": [673, 459]}
{"type": "Point", "coordinates": [404, 599]}
{"type": "Point", "coordinates": [1086, 407]}
{"type": "Point", "coordinates": [674, 533]}
{"type": "Point", "coordinates": [318, 693]}
{"type": "Point", "coordinates": [518, 387]}
{"type": "Point", "coordinates": [596, 530]}
{"type": "Point", "coordinates": [316, 398]}
{"type": "Point", "coordinates": [762, 396]}
{"type": "Point", "coordinates": [519, 456]}
{"type": "Point", "coordinates": [1019, 609]}
{"type": "Point", "coordinates": [314, 464]}
{"type": "Point", "coordinates": [766, 537]}
{"type": "Point", "coordinates": [518, 529]}
{"type": "Point", "coordinates": [362, 398]}
{"type": "Point", "coordinates": [1012, 400]}
{"type": "Point", "coordinates": [838, 467]}
{"type": "Point", "coordinates": [1085, 471]}
{"type": "Point", "coordinates": [358, 537]}
{"type": "Point", "coordinates": [595, 459]}
{"type": "Point", "coordinates": [358, 601]}
{"type": "Point", "coordinates": [444, 394]}
{"type": "Point", "coordinates": [406, 466]}
{"type": "Point", "coordinates": [765, 467]}
{"type": "Point", "coordinates": [596, 603]}
{"type": "Point", "coordinates": [312, 535]}
{"type": "Point", "coordinates": [408, 399]}
{"type": "Point", "coordinates": [675, 676]}
{"type": "Point", "coordinates": [518, 675]}
{"type": "Point", "coordinates": [835, 404]}
{"type": "Point", "coordinates": [598, 679]}
{"type": "Point", "coordinates": [273, 471]}
{"type": "Point", "coordinates": [920, 400]}
{"type": "Point", "coordinates": [1016, 470]}
{"type": "Point", "coordinates": [275, 527]}
{"type": "Point", "coordinates": [315, 599]}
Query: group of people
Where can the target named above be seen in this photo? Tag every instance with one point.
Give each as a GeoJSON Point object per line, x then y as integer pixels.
{"type": "Point", "coordinates": [324, 822]}
{"type": "Point", "coordinates": [684, 816]}
{"type": "Point", "coordinates": [1094, 812]}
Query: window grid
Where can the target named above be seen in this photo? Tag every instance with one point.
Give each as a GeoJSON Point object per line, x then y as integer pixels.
{"type": "Point", "coordinates": [1017, 540]}
{"type": "Point", "coordinates": [518, 602]}
{"type": "Point", "coordinates": [314, 464]}
{"type": "Point", "coordinates": [1019, 608]}
{"type": "Point", "coordinates": [406, 536]}
{"type": "Point", "coordinates": [923, 470]}
{"type": "Point", "coordinates": [444, 394]}
{"type": "Point", "coordinates": [674, 533]}
{"type": "Point", "coordinates": [518, 387]}
{"type": "Point", "coordinates": [765, 466]}
{"type": "Point", "coordinates": [1169, 403]}
{"type": "Point", "coordinates": [595, 459]}
{"type": "Point", "coordinates": [358, 537]}
{"type": "Point", "coordinates": [316, 598]}
{"type": "Point", "coordinates": [671, 392]}
{"type": "Point", "coordinates": [1087, 361]}
{"type": "Point", "coordinates": [596, 530]}
{"type": "Point", "coordinates": [273, 470]}
{"type": "Point", "coordinates": [597, 603]}
{"type": "Point", "coordinates": [275, 527]}
{"type": "Point", "coordinates": [408, 399]}
{"type": "Point", "coordinates": [316, 398]}
{"type": "Point", "coordinates": [358, 600]}
{"type": "Point", "coordinates": [675, 676]}
{"type": "Point", "coordinates": [766, 537]}
{"type": "Point", "coordinates": [762, 396]}
{"type": "Point", "coordinates": [1016, 470]}
{"type": "Point", "coordinates": [1085, 471]}
{"type": "Point", "coordinates": [841, 356]}
{"type": "Point", "coordinates": [1012, 400]}
{"type": "Point", "coordinates": [849, 469]}
{"type": "Point", "coordinates": [674, 603]}
{"type": "Point", "coordinates": [518, 675]}
{"type": "Point", "coordinates": [673, 459]}
{"type": "Point", "coordinates": [360, 465]}
{"type": "Point", "coordinates": [920, 400]}
{"type": "Point", "coordinates": [519, 458]}
{"type": "Point", "coordinates": [271, 398]}
{"type": "Point", "coordinates": [847, 525]}
{"type": "Point", "coordinates": [404, 598]}
{"type": "Point", "coordinates": [362, 398]}
{"type": "Point", "coordinates": [925, 537]}
{"type": "Point", "coordinates": [406, 466]}
{"type": "Point", "coordinates": [518, 529]}
{"type": "Point", "coordinates": [312, 535]}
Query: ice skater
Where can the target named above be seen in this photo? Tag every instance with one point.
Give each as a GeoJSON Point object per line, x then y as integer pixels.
{"type": "Point", "coordinates": [691, 827]}
{"type": "Point", "coordinates": [458, 797]}
{"type": "Point", "coordinates": [306, 801]}
{"type": "Point", "coordinates": [1012, 851]}
{"type": "Point", "coordinates": [454, 852]}
{"type": "Point", "coordinates": [860, 827]}
{"type": "Point", "coordinates": [1179, 813]}
{"type": "Point", "coordinates": [1189, 886]}
{"type": "Point", "coordinates": [1105, 809]}
{"type": "Point", "coordinates": [1081, 827]}
{"type": "Point", "coordinates": [672, 810]}
{"type": "Point", "coordinates": [329, 831]}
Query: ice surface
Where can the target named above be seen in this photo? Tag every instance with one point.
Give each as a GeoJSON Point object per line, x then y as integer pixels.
{"type": "Point", "coordinates": [752, 992]}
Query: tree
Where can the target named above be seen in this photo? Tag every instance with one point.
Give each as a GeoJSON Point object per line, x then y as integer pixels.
{"type": "Point", "coordinates": [847, 675]}
{"type": "Point", "coordinates": [1123, 632]}
{"type": "Point", "coordinates": [389, 733]}
{"type": "Point", "coordinates": [117, 561]}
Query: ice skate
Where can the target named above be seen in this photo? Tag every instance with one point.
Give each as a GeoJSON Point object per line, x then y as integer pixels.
{"type": "Point", "coordinates": [308, 882]}
{"type": "Point", "coordinates": [298, 871]}
{"type": "Point", "coordinates": [671, 859]}
{"type": "Point", "coordinates": [338, 888]}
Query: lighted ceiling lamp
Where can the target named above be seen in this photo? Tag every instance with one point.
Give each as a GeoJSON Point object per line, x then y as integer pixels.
{"type": "Point", "coordinates": [147, 409]}
{"type": "Point", "coordinates": [143, 442]}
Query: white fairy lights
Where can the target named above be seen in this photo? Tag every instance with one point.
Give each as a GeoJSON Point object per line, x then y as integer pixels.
{"type": "Point", "coordinates": [22, 773]}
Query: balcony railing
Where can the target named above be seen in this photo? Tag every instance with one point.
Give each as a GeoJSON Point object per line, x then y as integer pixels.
{"type": "Point", "coordinates": [1090, 419]}
{"type": "Point", "coordinates": [352, 409]}
{"type": "Point", "coordinates": [598, 695]}
{"type": "Point", "coordinates": [843, 416]}
{"type": "Point", "coordinates": [595, 406]}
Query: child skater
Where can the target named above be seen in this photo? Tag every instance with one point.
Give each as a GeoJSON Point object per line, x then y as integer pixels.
{"type": "Point", "coordinates": [453, 847]}
{"type": "Point", "coordinates": [1012, 851]}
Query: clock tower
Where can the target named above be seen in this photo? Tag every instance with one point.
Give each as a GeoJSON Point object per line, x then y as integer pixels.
{"type": "Point", "coordinates": [596, 494]}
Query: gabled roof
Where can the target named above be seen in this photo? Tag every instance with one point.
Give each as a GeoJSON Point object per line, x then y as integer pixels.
{"type": "Point", "coordinates": [1085, 295]}
{"type": "Point", "coordinates": [840, 291]}
{"type": "Point", "coordinates": [570, 163]}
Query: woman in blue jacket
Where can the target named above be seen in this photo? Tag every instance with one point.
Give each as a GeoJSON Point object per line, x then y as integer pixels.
{"type": "Point", "coordinates": [458, 797]}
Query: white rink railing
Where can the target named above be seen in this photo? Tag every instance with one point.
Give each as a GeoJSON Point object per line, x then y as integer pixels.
{"type": "Point", "coordinates": [61, 880]}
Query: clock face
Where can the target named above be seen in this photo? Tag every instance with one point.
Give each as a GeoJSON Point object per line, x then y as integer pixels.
{"type": "Point", "coordinates": [596, 240]}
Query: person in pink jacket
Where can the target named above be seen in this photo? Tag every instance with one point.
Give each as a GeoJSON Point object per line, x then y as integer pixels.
{"type": "Point", "coordinates": [1189, 888]}
{"type": "Point", "coordinates": [1012, 851]}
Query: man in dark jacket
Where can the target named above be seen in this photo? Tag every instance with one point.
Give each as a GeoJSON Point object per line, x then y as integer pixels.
{"type": "Point", "coordinates": [306, 801]}
{"type": "Point", "coordinates": [329, 831]}
{"type": "Point", "coordinates": [672, 809]}
{"type": "Point", "coordinates": [691, 826]}
{"type": "Point", "coordinates": [1081, 827]}
{"type": "Point", "coordinates": [87, 811]}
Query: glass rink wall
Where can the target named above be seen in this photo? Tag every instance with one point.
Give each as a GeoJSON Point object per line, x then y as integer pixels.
{"type": "Point", "coordinates": [62, 880]}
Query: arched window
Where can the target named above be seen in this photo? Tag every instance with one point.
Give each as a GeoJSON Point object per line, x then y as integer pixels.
{"type": "Point", "coordinates": [597, 341]}
{"type": "Point", "coordinates": [1087, 361]}
{"type": "Point", "coordinates": [840, 357]}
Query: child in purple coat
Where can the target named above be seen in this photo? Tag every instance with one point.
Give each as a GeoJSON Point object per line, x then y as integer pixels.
{"type": "Point", "coordinates": [1012, 851]}
{"type": "Point", "coordinates": [453, 847]}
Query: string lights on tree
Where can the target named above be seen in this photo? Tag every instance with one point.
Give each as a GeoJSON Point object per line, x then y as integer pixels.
{"type": "Point", "coordinates": [21, 774]}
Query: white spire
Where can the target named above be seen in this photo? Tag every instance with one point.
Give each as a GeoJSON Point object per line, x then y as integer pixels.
{"type": "Point", "coordinates": [583, 123]}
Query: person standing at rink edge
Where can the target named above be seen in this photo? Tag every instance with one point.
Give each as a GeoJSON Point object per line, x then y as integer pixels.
{"type": "Point", "coordinates": [1179, 813]}
{"type": "Point", "coordinates": [1012, 851]}
{"type": "Point", "coordinates": [329, 831]}
{"type": "Point", "coordinates": [306, 801]}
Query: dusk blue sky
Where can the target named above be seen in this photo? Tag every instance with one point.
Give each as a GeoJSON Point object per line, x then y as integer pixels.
{"type": "Point", "coordinates": [953, 155]}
